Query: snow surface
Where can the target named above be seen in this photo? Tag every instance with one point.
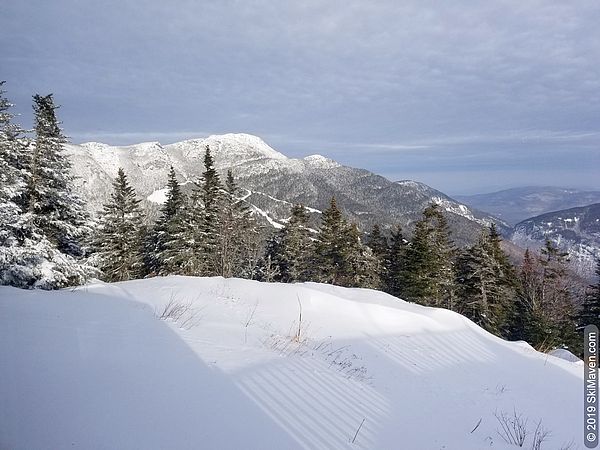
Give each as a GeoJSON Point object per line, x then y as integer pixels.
{"type": "Point", "coordinates": [94, 367]}
{"type": "Point", "coordinates": [159, 196]}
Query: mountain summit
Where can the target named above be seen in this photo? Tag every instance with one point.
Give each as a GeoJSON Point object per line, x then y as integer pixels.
{"type": "Point", "coordinates": [271, 180]}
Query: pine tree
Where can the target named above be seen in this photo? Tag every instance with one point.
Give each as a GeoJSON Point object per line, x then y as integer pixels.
{"type": "Point", "coordinates": [590, 309]}
{"type": "Point", "coordinates": [396, 262]}
{"type": "Point", "coordinates": [554, 319]}
{"type": "Point", "coordinates": [203, 223]}
{"type": "Point", "coordinates": [527, 300]}
{"type": "Point", "coordinates": [14, 255]}
{"type": "Point", "coordinates": [428, 275]}
{"type": "Point", "coordinates": [43, 221]}
{"type": "Point", "coordinates": [56, 209]}
{"type": "Point", "coordinates": [290, 249]}
{"type": "Point", "coordinates": [363, 268]}
{"type": "Point", "coordinates": [237, 234]}
{"type": "Point", "coordinates": [11, 179]}
{"type": "Point", "coordinates": [163, 244]}
{"type": "Point", "coordinates": [330, 261]}
{"type": "Point", "coordinates": [485, 283]}
{"type": "Point", "coordinates": [380, 247]}
{"type": "Point", "coordinates": [119, 241]}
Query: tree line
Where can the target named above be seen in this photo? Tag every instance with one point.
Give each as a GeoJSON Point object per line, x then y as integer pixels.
{"type": "Point", "coordinates": [48, 240]}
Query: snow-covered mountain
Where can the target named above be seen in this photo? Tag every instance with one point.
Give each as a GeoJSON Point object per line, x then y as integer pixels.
{"type": "Point", "coordinates": [230, 366]}
{"type": "Point", "coordinates": [517, 204]}
{"type": "Point", "coordinates": [271, 181]}
{"type": "Point", "coordinates": [575, 230]}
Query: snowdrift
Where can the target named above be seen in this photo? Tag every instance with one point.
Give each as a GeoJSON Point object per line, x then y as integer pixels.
{"type": "Point", "coordinates": [188, 363]}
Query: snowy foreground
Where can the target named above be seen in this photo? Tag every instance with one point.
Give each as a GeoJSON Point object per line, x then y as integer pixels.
{"type": "Point", "coordinates": [96, 367]}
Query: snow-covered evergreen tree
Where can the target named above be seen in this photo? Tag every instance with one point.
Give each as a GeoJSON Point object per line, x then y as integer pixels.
{"type": "Point", "coordinates": [118, 243]}
{"type": "Point", "coordinates": [237, 234]}
{"type": "Point", "coordinates": [11, 179]}
{"type": "Point", "coordinates": [56, 208]}
{"type": "Point", "coordinates": [162, 243]}
{"type": "Point", "coordinates": [363, 267]}
{"type": "Point", "coordinates": [291, 248]}
{"type": "Point", "coordinates": [42, 221]}
{"type": "Point", "coordinates": [200, 238]}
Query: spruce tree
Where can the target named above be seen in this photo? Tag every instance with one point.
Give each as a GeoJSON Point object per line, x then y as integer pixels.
{"type": "Point", "coordinates": [330, 262]}
{"type": "Point", "coordinates": [380, 247]}
{"type": "Point", "coordinates": [163, 242]}
{"type": "Point", "coordinates": [237, 234]}
{"type": "Point", "coordinates": [396, 262]}
{"type": "Point", "coordinates": [363, 267]}
{"type": "Point", "coordinates": [553, 318]}
{"type": "Point", "coordinates": [11, 179]}
{"type": "Point", "coordinates": [428, 275]}
{"type": "Point", "coordinates": [50, 197]}
{"type": "Point", "coordinates": [290, 248]}
{"type": "Point", "coordinates": [590, 309]}
{"type": "Point", "coordinates": [527, 300]}
{"type": "Point", "coordinates": [15, 257]}
{"type": "Point", "coordinates": [119, 240]}
{"type": "Point", "coordinates": [203, 223]}
{"type": "Point", "coordinates": [42, 220]}
{"type": "Point", "coordinates": [485, 283]}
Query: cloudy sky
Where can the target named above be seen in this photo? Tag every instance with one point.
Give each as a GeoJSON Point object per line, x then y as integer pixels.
{"type": "Point", "coordinates": [467, 96]}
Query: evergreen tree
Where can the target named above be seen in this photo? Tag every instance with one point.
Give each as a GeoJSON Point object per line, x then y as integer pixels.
{"type": "Point", "coordinates": [203, 223]}
{"type": "Point", "coordinates": [119, 241]}
{"type": "Point", "coordinates": [590, 309]}
{"type": "Point", "coordinates": [556, 321]}
{"type": "Point", "coordinates": [396, 262]}
{"type": "Point", "coordinates": [331, 263]}
{"type": "Point", "coordinates": [163, 241]}
{"type": "Point", "coordinates": [15, 257]}
{"type": "Point", "coordinates": [428, 275]}
{"type": "Point", "coordinates": [237, 234]}
{"type": "Point", "coordinates": [290, 248]}
{"type": "Point", "coordinates": [363, 268]}
{"type": "Point", "coordinates": [339, 255]}
{"type": "Point", "coordinates": [55, 207]}
{"type": "Point", "coordinates": [485, 282]}
{"type": "Point", "coordinates": [380, 248]}
{"type": "Point", "coordinates": [527, 300]}
{"type": "Point", "coordinates": [11, 179]}
{"type": "Point", "coordinates": [41, 219]}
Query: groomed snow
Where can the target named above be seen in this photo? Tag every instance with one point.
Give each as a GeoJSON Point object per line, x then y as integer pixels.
{"type": "Point", "coordinates": [94, 367]}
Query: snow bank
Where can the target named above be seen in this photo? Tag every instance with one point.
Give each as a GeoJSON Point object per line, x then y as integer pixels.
{"type": "Point", "coordinates": [95, 367]}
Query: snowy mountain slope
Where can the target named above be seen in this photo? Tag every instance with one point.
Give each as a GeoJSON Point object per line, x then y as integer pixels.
{"type": "Point", "coordinates": [94, 367]}
{"type": "Point", "coordinates": [576, 230]}
{"type": "Point", "coordinates": [273, 181]}
{"type": "Point", "coordinates": [517, 204]}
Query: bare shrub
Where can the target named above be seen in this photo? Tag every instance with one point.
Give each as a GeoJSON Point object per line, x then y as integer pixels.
{"type": "Point", "coordinates": [182, 313]}
{"type": "Point", "coordinates": [539, 436]}
{"type": "Point", "coordinates": [249, 320]}
{"type": "Point", "coordinates": [513, 428]}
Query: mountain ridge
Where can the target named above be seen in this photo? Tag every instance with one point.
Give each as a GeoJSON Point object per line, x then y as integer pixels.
{"type": "Point", "coordinates": [272, 181]}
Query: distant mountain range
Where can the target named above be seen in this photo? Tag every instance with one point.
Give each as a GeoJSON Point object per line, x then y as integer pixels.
{"type": "Point", "coordinates": [515, 205]}
{"type": "Point", "coordinates": [271, 181]}
{"type": "Point", "coordinates": [576, 230]}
